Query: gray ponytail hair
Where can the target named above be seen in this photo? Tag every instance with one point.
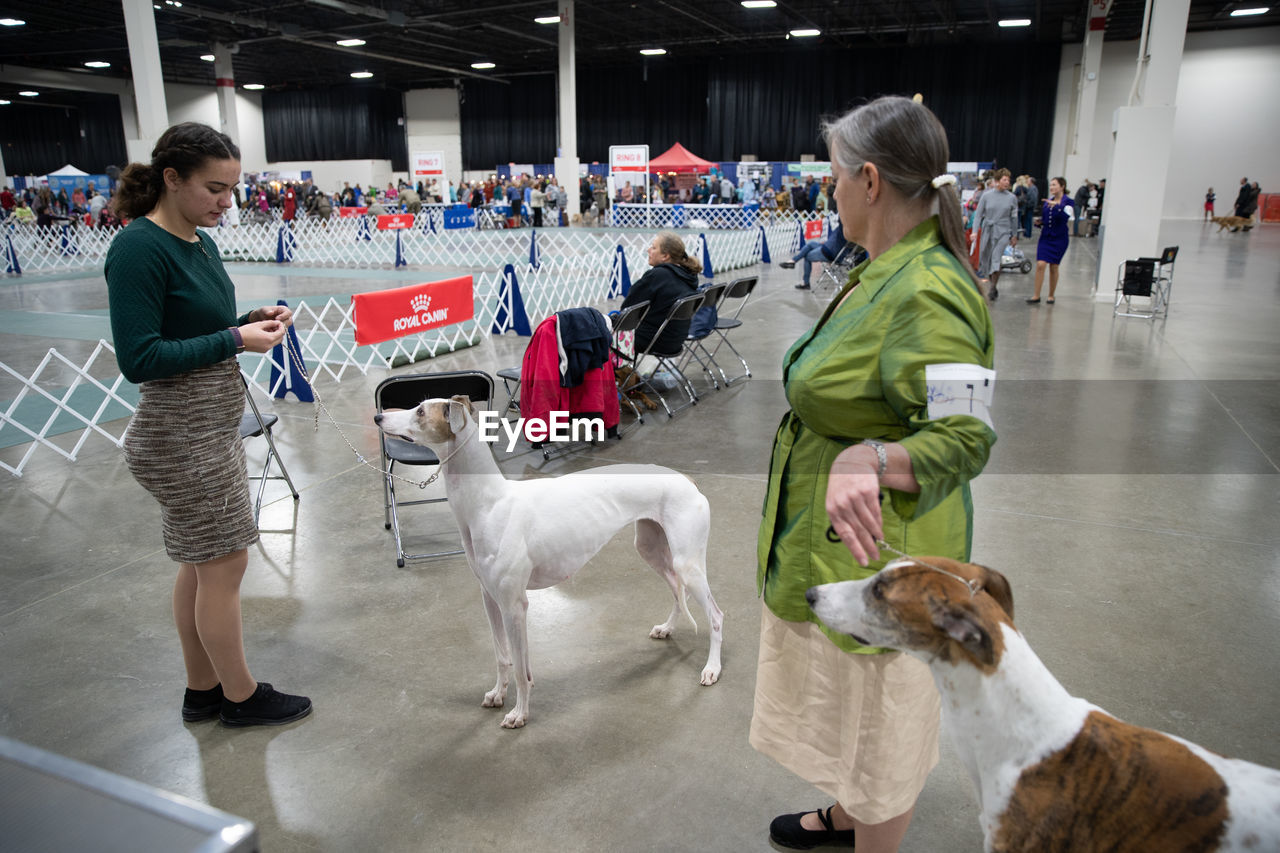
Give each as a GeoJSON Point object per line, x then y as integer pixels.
{"type": "Point", "coordinates": [908, 145]}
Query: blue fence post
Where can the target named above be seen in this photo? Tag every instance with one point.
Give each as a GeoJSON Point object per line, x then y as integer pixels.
{"type": "Point", "coordinates": [535, 255]}
{"type": "Point", "coordinates": [11, 264]}
{"type": "Point", "coordinates": [284, 244]}
{"type": "Point", "coordinates": [511, 313]}
{"type": "Point", "coordinates": [363, 233]}
{"type": "Point", "coordinates": [706, 258]}
{"type": "Point", "coordinates": [294, 377]}
{"type": "Point", "coordinates": [620, 276]}
{"type": "Point", "coordinates": [764, 247]}
{"type": "Point", "coordinates": [400, 261]}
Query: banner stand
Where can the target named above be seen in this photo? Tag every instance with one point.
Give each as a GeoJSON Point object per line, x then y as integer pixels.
{"type": "Point", "coordinates": [293, 380]}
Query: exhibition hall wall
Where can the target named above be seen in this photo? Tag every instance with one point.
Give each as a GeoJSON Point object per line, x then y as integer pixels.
{"type": "Point", "coordinates": [1227, 123]}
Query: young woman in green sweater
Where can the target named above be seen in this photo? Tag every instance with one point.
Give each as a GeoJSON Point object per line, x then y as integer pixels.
{"type": "Point", "coordinates": [176, 333]}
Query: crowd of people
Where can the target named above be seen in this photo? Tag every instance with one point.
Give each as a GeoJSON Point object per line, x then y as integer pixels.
{"type": "Point", "coordinates": [42, 206]}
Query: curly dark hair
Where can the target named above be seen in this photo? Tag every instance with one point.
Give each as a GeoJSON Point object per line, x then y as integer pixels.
{"type": "Point", "coordinates": [184, 148]}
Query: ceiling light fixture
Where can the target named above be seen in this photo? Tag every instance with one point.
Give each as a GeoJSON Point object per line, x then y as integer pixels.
{"type": "Point", "coordinates": [362, 75]}
{"type": "Point", "coordinates": [483, 66]}
{"type": "Point", "coordinates": [208, 57]}
{"type": "Point", "coordinates": [29, 94]}
{"type": "Point", "coordinates": [759, 4]}
{"type": "Point", "coordinates": [1016, 22]}
{"type": "Point", "coordinates": [351, 42]}
{"type": "Point", "coordinates": [1235, 13]}
{"type": "Point", "coordinates": [654, 51]}
{"type": "Point", "coordinates": [805, 33]}
{"type": "Point", "coordinates": [4, 103]}
{"type": "Point", "coordinates": [97, 63]}
{"type": "Point", "coordinates": [11, 22]}
{"type": "Point", "coordinates": [254, 86]}
{"type": "Point", "coordinates": [549, 19]}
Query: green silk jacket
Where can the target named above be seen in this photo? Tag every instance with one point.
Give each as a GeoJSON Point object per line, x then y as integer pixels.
{"type": "Point", "coordinates": [860, 373]}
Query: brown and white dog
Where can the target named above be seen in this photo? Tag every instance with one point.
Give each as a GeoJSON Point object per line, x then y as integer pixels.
{"type": "Point", "coordinates": [1052, 771]}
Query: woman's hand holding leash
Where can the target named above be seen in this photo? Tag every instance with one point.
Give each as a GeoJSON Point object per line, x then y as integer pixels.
{"type": "Point", "coordinates": [853, 502]}
{"type": "Point", "coordinates": [263, 335]}
{"type": "Point", "coordinates": [283, 313]}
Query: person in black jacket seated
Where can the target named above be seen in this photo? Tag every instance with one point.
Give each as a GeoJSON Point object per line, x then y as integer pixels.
{"type": "Point", "coordinates": [673, 275]}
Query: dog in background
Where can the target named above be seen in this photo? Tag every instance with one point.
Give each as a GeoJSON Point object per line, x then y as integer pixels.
{"type": "Point", "coordinates": [1052, 771]}
{"type": "Point", "coordinates": [629, 383]}
{"type": "Point", "coordinates": [532, 534]}
{"type": "Point", "coordinates": [1235, 223]}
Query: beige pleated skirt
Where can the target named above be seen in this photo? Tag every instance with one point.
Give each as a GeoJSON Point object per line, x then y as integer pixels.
{"type": "Point", "coordinates": [862, 728]}
{"type": "Point", "coordinates": [183, 446]}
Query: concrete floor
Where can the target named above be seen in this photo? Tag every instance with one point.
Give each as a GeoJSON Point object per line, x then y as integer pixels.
{"type": "Point", "coordinates": [1132, 501]}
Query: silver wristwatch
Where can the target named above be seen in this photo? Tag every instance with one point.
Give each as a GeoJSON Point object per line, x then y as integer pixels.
{"type": "Point", "coordinates": [882, 455]}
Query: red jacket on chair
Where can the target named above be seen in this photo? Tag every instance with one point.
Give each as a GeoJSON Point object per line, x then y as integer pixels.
{"type": "Point", "coordinates": [540, 391]}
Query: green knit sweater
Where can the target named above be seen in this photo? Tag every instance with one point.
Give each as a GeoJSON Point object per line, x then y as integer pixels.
{"type": "Point", "coordinates": [171, 302]}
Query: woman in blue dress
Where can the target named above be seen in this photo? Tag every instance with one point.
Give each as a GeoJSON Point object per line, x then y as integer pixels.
{"type": "Point", "coordinates": [1055, 213]}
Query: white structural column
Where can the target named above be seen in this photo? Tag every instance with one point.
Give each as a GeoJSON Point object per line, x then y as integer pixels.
{"type": "Point", "coordinates": [148, 80]}
{"type": "Point", "coordinates": [226, 83]}
{"type": "Point", "coordinates": [567, 154]}
{"type": "Point", "coordinates": [1086, 96]}
{"type": "Point", "coordinates": [1143, 133]}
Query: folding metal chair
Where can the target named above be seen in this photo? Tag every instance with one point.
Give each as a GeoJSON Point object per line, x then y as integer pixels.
{"type": "Point", "coordinates": [627, 321]}
{"type": "Point", "coordinates": [406, 392]}
{"type": "Point", "coordinates": [254, 423]}
{"type": "Point", "coordinates": [741, 290]}
{"type": "Point", "coordinates": [681, 312]}
{"type": "Point", "coordinates": [712, 295]}
{"type": "Point", "coordinates": [1146, 277]}
{"type": "Point", "coordinates": [836, 271]}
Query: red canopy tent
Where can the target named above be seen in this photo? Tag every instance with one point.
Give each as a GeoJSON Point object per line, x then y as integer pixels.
{"type": "Point", "coordinates": [677, 158]}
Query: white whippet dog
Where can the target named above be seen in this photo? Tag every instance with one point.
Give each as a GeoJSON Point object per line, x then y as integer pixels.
{"type": "Point", "coordinates": [1052, 771]}
{"type": "Point", "coordinates": [532, 534]}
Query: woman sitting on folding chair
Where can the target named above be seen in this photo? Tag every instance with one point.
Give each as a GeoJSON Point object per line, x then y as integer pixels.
{"type": "Point", "coordinates": [673, 274]}
{"type": "Point", "coordinates": [823, 252]}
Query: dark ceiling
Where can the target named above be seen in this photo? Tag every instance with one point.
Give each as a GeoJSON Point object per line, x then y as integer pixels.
{"type": "Point", "coordinates": [430, 43]}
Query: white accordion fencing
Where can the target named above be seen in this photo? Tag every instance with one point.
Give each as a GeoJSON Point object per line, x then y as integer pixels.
{"type": "Point", "coordinates": [519, 275]}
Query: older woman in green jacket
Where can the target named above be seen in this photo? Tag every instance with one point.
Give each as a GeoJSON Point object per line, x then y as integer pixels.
{"type": "Point", "coordinates": [873, 449]}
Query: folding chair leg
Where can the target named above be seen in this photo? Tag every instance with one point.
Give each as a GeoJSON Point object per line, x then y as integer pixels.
{"type": "Point", "coordinates": [724, 341]}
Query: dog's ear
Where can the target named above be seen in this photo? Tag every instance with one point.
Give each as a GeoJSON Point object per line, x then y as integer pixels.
{"type": "Point", "coordinates": [459, 406]}
{"type": "Point", "coordinates": [961, 624]}
{"type": "Point", "coordinates": [996, 585]}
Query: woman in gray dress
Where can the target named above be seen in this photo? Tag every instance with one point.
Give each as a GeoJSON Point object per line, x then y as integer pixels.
{"type": "Point", "coordinates": [997, 220]}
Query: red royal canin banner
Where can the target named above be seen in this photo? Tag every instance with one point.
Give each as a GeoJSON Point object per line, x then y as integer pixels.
{"type": "Point", "coordinates": [386, 314]}
{"type": "Point", "coordinates": [813, 229]}
{"type": "Point", "coordinates": [393, 221]}
{"type": "Point", "coordinates": [348, 212]}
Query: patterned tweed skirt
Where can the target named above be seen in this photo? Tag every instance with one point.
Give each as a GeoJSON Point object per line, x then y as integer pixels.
{"type": "Point", "coordinates": [183, 445]}
{"type": "Point", "coordinates": [863, 729]}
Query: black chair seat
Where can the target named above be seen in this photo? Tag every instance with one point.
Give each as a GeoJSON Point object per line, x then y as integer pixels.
{"type": "Point", "coordinates": [512, 373]}
{"type": "Point", "coordinates": [728, 323]}
{"type": "Point", "coordinates": [408, 452]}
{"type": "Point", "coordinates": [250, 427]}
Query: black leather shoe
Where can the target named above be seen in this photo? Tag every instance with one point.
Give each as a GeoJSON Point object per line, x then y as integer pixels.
{"type": "Point", "coordinates": [787, 265]}
{"type": "Point", "coordinates": [266, 707]}
{"type": "Point", "coordinates": [200, 705]}
{"type": "Point", "coordinates": [787, 831]}
{"type": "Point", "coordinates": [802, 286]}
{"type": "Point", "coordinates": [995, 293]}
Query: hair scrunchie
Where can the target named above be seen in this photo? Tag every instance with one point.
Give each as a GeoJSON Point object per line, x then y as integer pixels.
{"type": "Point", "coordinates": [942, 181]}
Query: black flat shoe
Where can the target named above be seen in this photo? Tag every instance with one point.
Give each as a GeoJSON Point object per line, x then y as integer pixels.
{"type": "Point", "coordinates": [1036, 301]}
{"type": "Point", "coordinates": [787, 831]}
{"type": "Point", "coordinates": [787, 265]}
{"type": "Point", "coordinates": [1048, 302]}
{"type": "Point", "coordinates": [200, 705]}
{"type": "Point", "coordinates": [802, 286]}
{"type": "Point", "coordinates": [266, 707]}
